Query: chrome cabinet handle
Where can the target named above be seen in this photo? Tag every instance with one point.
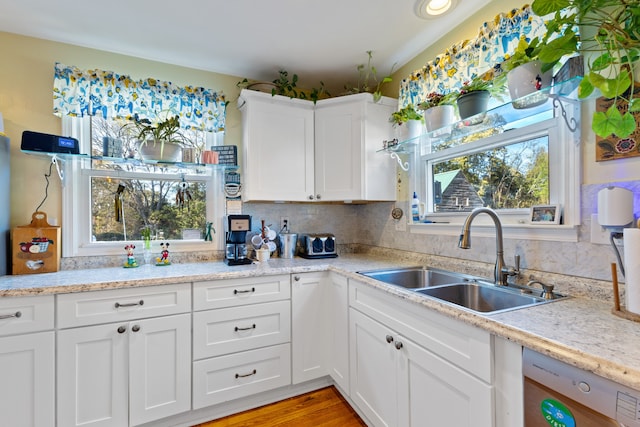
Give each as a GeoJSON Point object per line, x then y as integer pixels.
{"type": "Point", "coordinates": [246, 291]}
{"type": "Point", "coordinates": [398, 345]}
{"type": "Point", "coordinates": [318, 197]}
{"type": "Point", "coordinates": [135, 328]}
{"type": "Point", "coordinates": [122, 329]}
{"type": "Point", "coordinates": [129, 304]}
{"type": "Point", "coordinates": [296, 278]}
{"type": "Point", "coordinates": [246, 375]}
{"type": "Point", "coordinates": [389, 339]}
{"type": "Point", "coordinates": [310, 197]}
{"type": "Point", "coordinates": [245, 329]}
{"type": "Point", "coordinates": [17, 314]}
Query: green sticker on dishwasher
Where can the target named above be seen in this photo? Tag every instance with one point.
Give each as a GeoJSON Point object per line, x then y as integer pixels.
{"type": "Point", "coordinates": [556, 414]}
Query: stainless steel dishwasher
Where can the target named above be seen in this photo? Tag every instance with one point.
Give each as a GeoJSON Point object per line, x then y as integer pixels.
{"type": "Point", "coordinates": [560, 395]}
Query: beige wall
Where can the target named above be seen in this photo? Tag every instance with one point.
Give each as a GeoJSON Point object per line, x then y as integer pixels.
{"type": "Point", "coordinates": [26, 102]}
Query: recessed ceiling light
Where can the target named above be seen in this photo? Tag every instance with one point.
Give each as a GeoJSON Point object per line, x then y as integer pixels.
{"type": "Point", "coordinates": [433, 8]}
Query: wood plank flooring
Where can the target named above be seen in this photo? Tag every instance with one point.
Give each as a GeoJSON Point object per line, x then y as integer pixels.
{"type": "Point", "coordinates": [320, 408]}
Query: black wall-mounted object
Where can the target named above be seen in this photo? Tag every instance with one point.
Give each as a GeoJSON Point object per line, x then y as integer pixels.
{"type": "Point", "coordinates": [36, 141]}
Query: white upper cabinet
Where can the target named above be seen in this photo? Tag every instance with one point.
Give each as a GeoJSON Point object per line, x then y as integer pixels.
{"type": "Point", "coordinates": [297, 151]}
{"type": "Point", "coordinates": [277, 138]}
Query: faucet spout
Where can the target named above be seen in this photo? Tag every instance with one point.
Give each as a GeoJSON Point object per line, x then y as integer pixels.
{"type": "Point", "coordinates": [500, 275]}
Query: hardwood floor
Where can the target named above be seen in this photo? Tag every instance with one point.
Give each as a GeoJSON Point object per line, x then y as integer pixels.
{"type": "Point", "coordinates": [320, 408]}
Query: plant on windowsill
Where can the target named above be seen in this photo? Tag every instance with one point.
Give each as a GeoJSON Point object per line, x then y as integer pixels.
{"type": "Point", "coordinates": [473, 97]}
{"type": "Point", "coordinates": [438, 110]}
{"type": "Point", "coordinates": [610, 41]}
{"type": "Point", "coordinates": [408, 122]}
{"type": "Point", "coordinates": [160, 141]}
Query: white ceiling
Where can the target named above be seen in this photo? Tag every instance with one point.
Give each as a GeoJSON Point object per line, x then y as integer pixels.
{"type": "Point", "coordinates": [318, 40]}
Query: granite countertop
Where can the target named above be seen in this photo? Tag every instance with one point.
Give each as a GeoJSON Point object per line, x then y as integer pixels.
{"type": "Point", "coordinates": [579, 331]}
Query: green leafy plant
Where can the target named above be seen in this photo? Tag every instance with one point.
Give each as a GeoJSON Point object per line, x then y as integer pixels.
{"type": "Point", "coordinates": [368, 80]}
{"type": "Point", "coordinates": [285, 86]}
{"type": "Point", "coordinates": [612, 49]}
{"type": "Point", "coordinates": [167, 130]}
{"type": "Point", "coordinates": [435, 99]}
{"type": "Point", "coordinates": [405, 114]}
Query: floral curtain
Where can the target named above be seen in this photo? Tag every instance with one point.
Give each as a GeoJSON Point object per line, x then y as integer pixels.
{"type": "Point", "coordinates": [91, 92]}
{"type": "Point", "coordinates": [469, 58]}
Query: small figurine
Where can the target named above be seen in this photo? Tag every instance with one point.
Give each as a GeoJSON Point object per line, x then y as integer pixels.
{"type": "Point", "coordinates": [163, 259]}
{"type": "Point", "coordinates": [131, 260]}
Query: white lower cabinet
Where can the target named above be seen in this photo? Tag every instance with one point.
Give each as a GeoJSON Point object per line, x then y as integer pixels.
{"type": "Point", "coordinates": [398, 379]}
{"type": "Point", "coordinates": [337, 319]}
{"type": "Point", "coordinates": [241, 338]}
{"type": "Point", "coordinates": [27, 369]}
{"type": "Point", "coordinates": [124, 373]}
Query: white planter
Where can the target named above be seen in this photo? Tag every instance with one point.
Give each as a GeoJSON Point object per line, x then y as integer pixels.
{"type": "Point", "coordinates": [525, 80]}
{"type": "Point", "coordinates": [439, 116]}
{"type": "Point", "coordinates": [414, 129]}
{"type": "Point", "coordinates": [157, 151]}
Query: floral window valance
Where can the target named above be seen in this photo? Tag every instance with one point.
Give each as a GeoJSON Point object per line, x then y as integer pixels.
{"type": "Point", "coordinates": [95, 92]}
{"type": "Point", "coordinates": [470, 58]}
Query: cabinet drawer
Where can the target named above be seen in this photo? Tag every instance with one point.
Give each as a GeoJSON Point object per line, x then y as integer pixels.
{"type": "Point", "coordinates": [465, 346]}
{"type": "Point", "coordinates": [90, 308]}
{"type": "Point", "coordinates": [19, 315]}
{"type": "Point", "coordinates": [235, 292]}
{"type": "Point", "coordinates": [229, 330]}
{"type": "Point", "coordinates": [225, 378]}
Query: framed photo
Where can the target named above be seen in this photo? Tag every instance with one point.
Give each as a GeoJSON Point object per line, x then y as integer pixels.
{"type": "Point", "coordinates": [545, 214]}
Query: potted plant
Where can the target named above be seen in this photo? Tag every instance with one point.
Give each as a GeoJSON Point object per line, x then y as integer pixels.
{"type": "Point", "coordinates": [526, 74]}
{"type": "Point", "coordinates": [161, 140]}
{"type": "Point", "coordinates": [368, 80]}
{"type": "Point", "coordinates": [438, 110]}
{"type": "Point", "coordinates": [408, 122]}
{"type": "Point", "coordinates": [473, 97]}
{"type": "Point", "coordinates": [610, 42]}
{"type": "Point", "coordinates": [286, 87]}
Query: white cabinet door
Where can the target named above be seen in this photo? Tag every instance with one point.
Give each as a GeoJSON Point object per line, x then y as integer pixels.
{"type": "Point", "coordinates": [126, 373]}
{"type": "Point", "coordinates": [27, 370]}
{"type": "Point", "coordinates": [373, 360]}
{"type": "Point", "coordinates": [159, 367]}
{"type": "Point", "coordinates": [278, 147]}
{"type": "Point", "coordinates": [92, 376]}
{"type": "Point", "coordinates": [349, 131]}
{"type": "Point", "coordinates": [309, 326]}
{"type": "Point", "coordinates": [338, 326]}
{"type": "Point", "coordinates": [432, 391]}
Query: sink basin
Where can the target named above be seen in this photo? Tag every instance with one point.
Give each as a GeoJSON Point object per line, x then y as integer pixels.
{"type": "Point", "coordinates": [482, 298]}
{"type": "Point", "coordinates": [417, 277]}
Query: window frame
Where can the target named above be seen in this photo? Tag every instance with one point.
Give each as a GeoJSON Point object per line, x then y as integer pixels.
{"type": "Point", "coordinates": [76, 194]}
{"type": "Point", "coordinates": [564, 180]}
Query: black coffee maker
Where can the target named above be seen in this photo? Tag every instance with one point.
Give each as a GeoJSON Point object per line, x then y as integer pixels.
{"type": "Point", "coordinates": [236, 247]}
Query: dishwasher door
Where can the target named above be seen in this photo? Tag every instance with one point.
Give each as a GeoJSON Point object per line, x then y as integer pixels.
{"type": "Point", "coordinates": [560, 395]}
{"type": "Point", "coordinates": [544, 407]}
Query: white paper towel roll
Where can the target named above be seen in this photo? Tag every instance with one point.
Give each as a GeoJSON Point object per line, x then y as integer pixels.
{"type": "Point", "coordinates": [615, 206]}
{"type": "Point", "coordinates": [632, 269]}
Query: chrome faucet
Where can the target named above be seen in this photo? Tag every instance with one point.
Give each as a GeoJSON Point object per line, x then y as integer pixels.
{"type": "Point", "coordinates": [501, 272]}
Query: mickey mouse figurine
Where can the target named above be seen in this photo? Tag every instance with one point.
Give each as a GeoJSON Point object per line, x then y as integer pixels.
{"type": "Point", "coordinates": [163, 259]}
{"type": "Point", "coordinates": [131, 260]}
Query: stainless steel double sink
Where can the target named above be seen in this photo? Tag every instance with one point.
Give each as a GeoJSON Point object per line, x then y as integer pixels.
{"type": "Point", "coordinates": [468, 292]}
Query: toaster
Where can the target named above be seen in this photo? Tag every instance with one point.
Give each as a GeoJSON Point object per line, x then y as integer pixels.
{"type": "Point", "coordinates": [317, 246]}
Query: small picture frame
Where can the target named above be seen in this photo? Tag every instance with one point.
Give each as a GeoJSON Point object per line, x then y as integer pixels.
{"type": "Point", "coordinates": [545, 214]}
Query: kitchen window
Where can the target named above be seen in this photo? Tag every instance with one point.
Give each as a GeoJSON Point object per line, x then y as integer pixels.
{"type": "Point", "coordinates": [113, 201]}
{"type": "Point", "coordinates": [535, 162]}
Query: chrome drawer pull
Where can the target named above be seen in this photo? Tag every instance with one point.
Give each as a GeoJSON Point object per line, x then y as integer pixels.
{"type": "Point", "coordinates": [10, 316]}
{"type": "Point", "coordinates": [245, 329]}
{"type": "Point", "coordinates": [246, 375]}
{"type": "Point", "coordinates": [130, 304]}
{"type": "Point", "coordinates": [236, 292]}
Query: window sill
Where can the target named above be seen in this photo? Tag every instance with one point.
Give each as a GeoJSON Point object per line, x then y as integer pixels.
{"type": "Point", "coordinates": [554, 233]}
